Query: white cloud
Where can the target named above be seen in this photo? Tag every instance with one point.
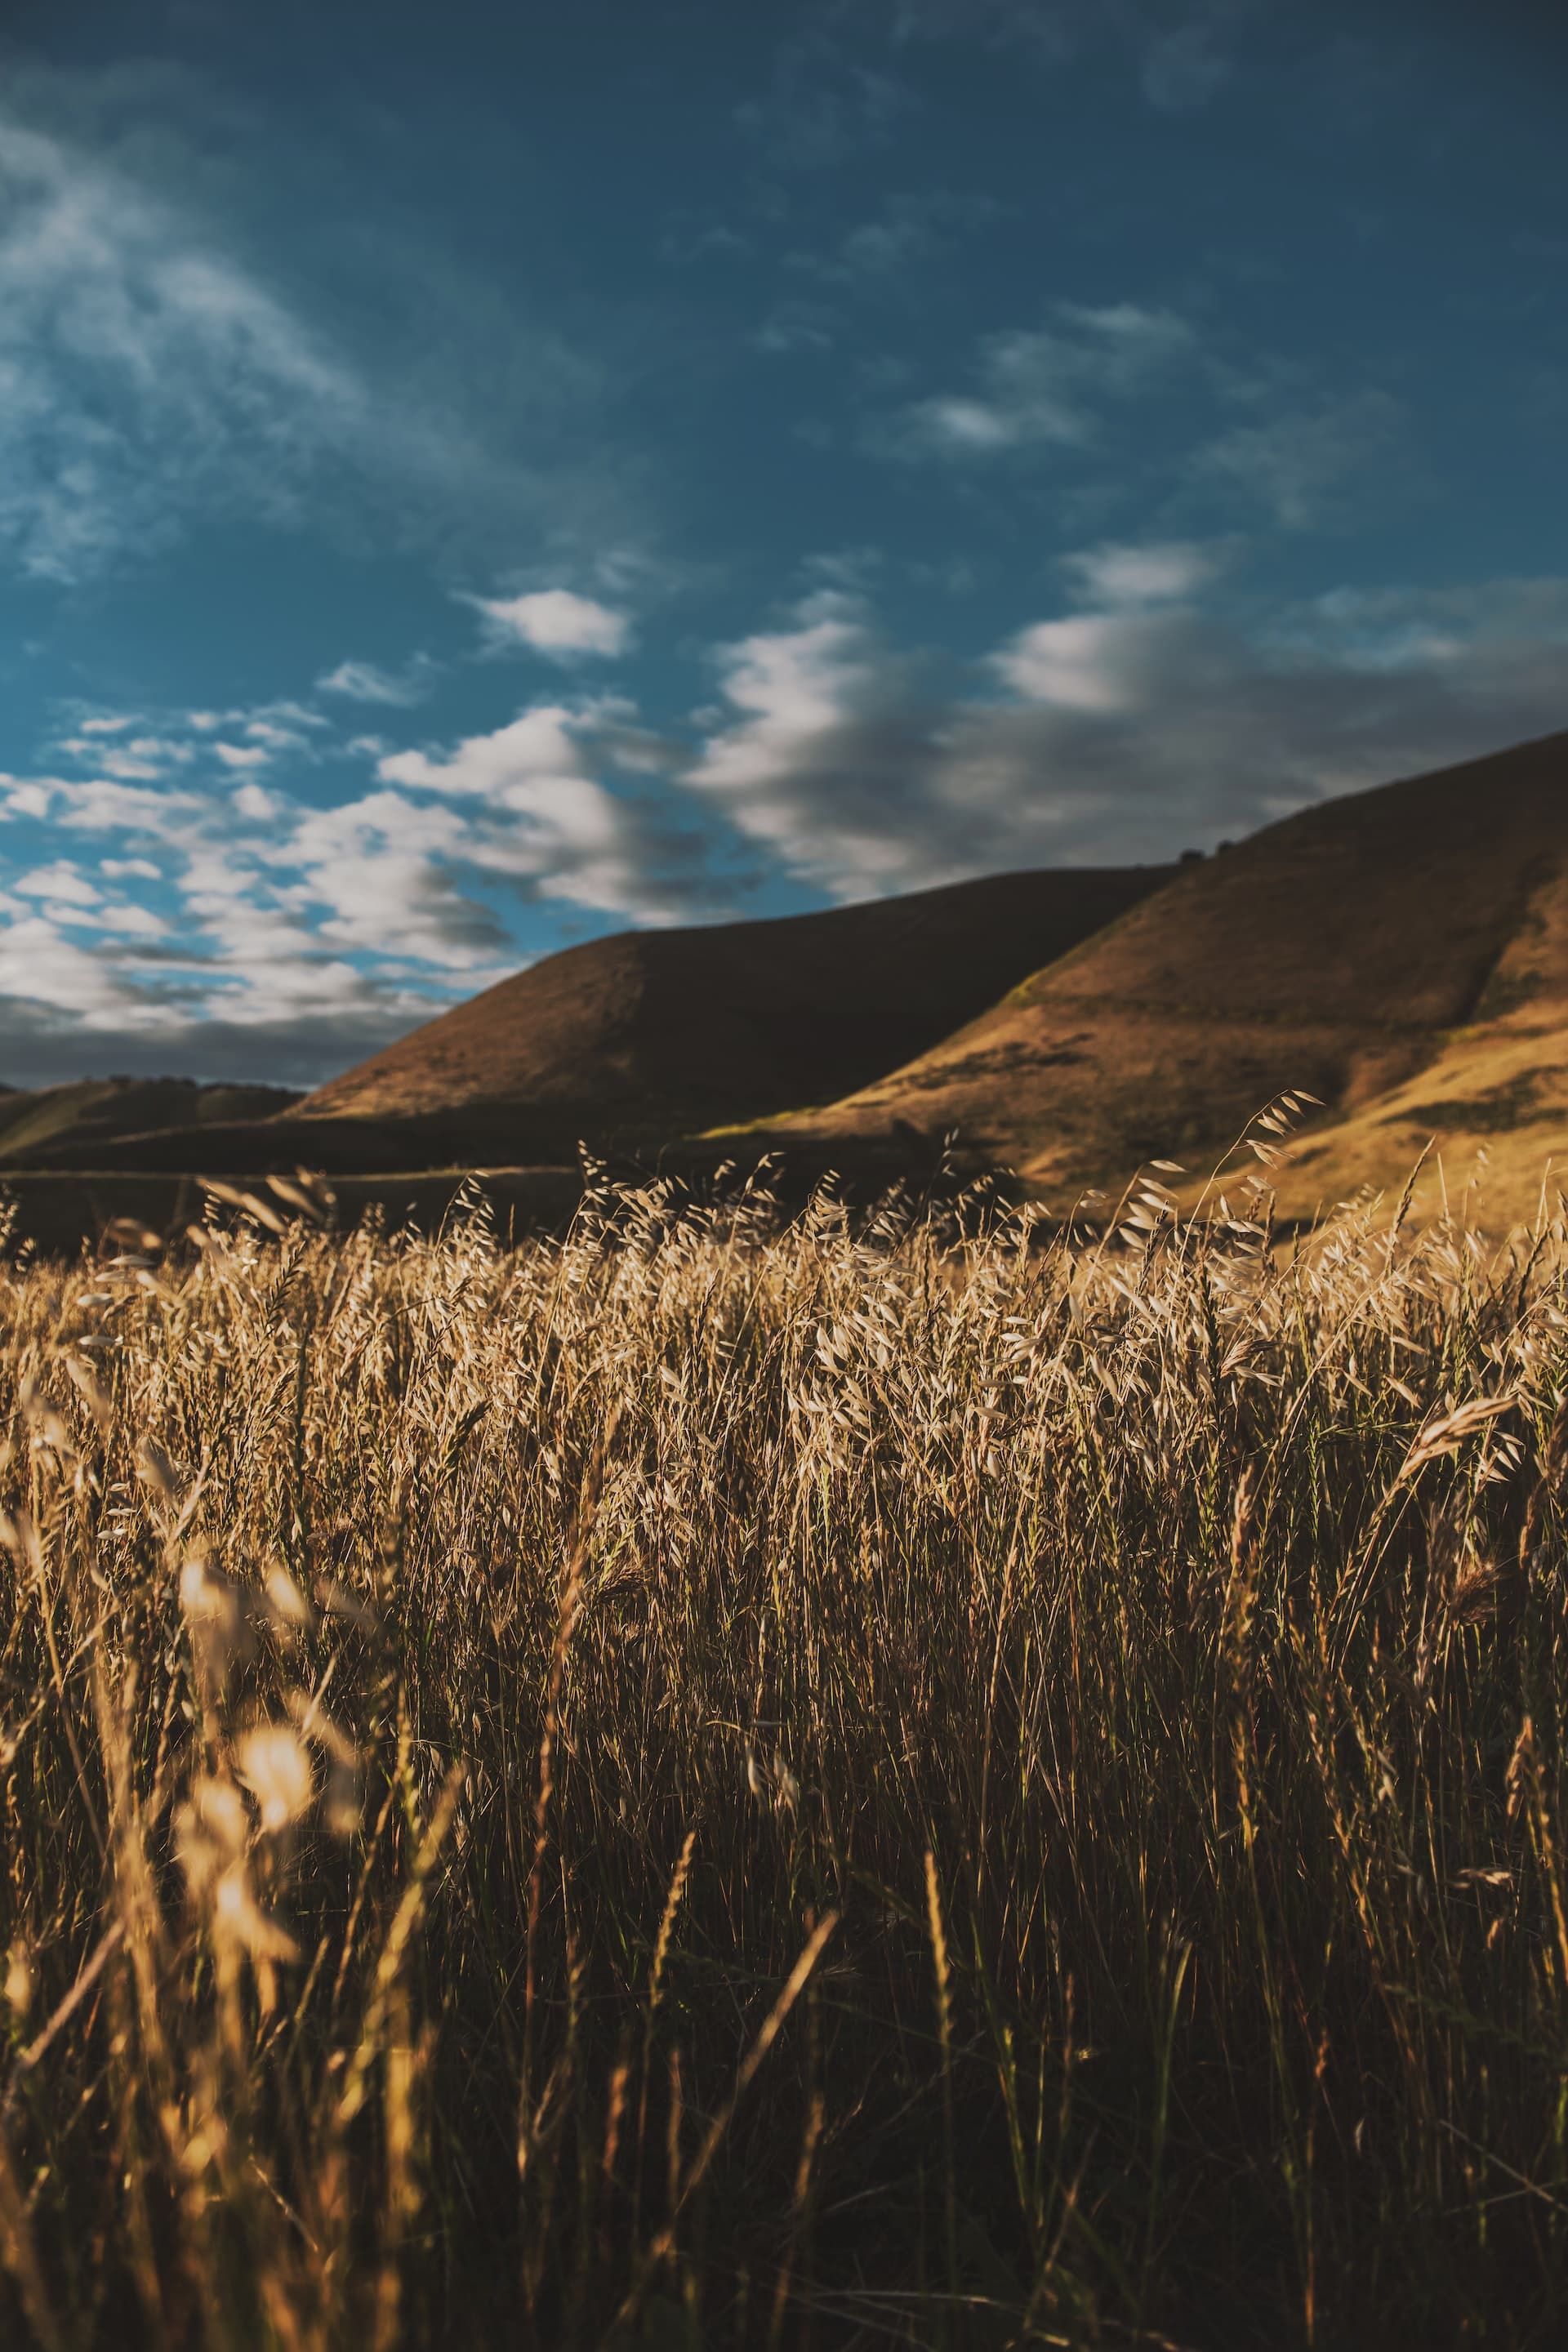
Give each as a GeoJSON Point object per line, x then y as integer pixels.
{"type": "Point", "coordinates": [40, 968]}
{"type": "Point", "coordinates": [243, 755]}
{"type": "Point", "coordinates": [102, 804]}
{"type": "Point", "coordinates": [30, 795]}
{"type": "Point", "coordinates": [1098, 662]}
{"type": "Point", "coordinates": [277, 739]}
{"type": "Point", "coordinates": [63, 883]}
{"type": "Point", "coordinates": [555, 621]}
{"type": "Point", "coordinates": [541, 815]}
{"type": "Point", "coordinates": [1114, 574]}
{"type": "Point", "coordinates": [132, 762]}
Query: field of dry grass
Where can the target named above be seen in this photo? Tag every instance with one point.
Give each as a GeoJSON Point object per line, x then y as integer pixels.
{"type": "Point", "coordinates": [723, 1781]}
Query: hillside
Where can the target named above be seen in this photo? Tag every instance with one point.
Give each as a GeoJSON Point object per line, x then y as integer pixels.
{"type": "Point", "coordinates": [56, 1123]}
{"type": "Point", "coordinates": [653, 1033]}
{"type": "Point", "coordinates": [1403, 953]}
{"type": "Point", "coordinates": [630, 1042]}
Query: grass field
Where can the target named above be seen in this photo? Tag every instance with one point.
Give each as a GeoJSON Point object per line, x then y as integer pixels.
{"type": "Point", "coordinates": [724, 1782]}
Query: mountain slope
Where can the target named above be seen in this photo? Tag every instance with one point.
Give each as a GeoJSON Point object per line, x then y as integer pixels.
{"type": "Point", "coordinates": [649, 1035]}
{"type": "Point", "coordinates": [56, 1123]}
{"type": "Point", "coordinates": [631, 1042]}
{"type": "Point", "coordinates": [1348, 950]}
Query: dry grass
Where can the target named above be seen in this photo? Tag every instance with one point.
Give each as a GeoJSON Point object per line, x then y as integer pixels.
{"type": "Point", "coordinates": [732, 1782]}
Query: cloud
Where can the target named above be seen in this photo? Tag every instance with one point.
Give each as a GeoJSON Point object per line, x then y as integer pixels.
{"type": "Point", "coordinates": [1035, 387]}
{"type": "Point", "coordinates": [1097, 663]}
{"type": "Point", "coordinates": [142, 375]}
{"type": "Point", "coordinates": [819, 760]}
{"type": "Point", "coordinates": [387, 871]}
{"type": "Point", "coordinates": [63, 883]}
{"type": "Point", "coordinates": [554, 621]}
{"type": "Point", "coordinates": [1142, 575]}
{"type": "Point", "coordinates": [544, 820]}
{"type": "Point", "coordinates": [246, 905]}
{"type": "Point", "coordinates": [1122, 732]}
{"type": "Point", "coordinates": [361, 681]}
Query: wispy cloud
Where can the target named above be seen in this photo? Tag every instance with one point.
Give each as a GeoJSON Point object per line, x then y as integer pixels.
{"type": "Point", "coordinates": [363, 681]}
{"type": "Point", "coordinates": [1303, 464]}
{"type": "Point", "coordinates": [140, 375]}
{"type": "Point", "coordinates": [1038, 386]}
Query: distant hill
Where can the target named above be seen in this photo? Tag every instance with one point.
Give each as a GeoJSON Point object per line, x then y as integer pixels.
{"type": "Point", "coordinates": [1401, 952]}
{"type": "Point", "coordinates": [631, 1042]}
{"type": "Point", "coordinates": [54, 1124]}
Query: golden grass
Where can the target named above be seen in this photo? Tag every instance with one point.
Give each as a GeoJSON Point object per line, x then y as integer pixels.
{"type": "Point", "coordinates": [725, 1780]}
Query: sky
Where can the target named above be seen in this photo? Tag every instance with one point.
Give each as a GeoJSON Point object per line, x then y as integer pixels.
{"type": "Point", "coordinates": [473, 479]}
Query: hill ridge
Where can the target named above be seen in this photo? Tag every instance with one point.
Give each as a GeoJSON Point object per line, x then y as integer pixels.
{"type": "Point", "coordinates": [1337, 949]}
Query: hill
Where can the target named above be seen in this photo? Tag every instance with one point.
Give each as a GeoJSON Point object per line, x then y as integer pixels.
{"type": "Point", "coordinates": [1403, 953]}
{"type": "Point", "coordinates": [631, 1042]}
{"type": "Point", "coordinates": [58, 1123]}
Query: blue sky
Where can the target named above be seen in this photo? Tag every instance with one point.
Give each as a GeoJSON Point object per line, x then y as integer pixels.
{"type": "Point", "coordinates": [475, 477]}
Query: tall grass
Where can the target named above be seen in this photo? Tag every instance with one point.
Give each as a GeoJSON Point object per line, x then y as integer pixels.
{"type": "Point", "coordinates": [727, 1780]}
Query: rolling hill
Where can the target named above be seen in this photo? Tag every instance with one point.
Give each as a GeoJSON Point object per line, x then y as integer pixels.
{"type": "Point", "coordinates": [1403, 953]}
{"type": "Point", "coordinates": [56, 1123]}
{"type": "Point", "coordinates": [630, 1042]}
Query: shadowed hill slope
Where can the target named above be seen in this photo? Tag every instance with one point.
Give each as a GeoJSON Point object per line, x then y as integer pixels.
{"type": "Point", "coordinates": [1347, 950]}
{"type": "Point", "coordinates": [55, 1123]}
{"type": "Point", "coordinates": [656, 1031]}
{"type": "Point", "coordinates": [630, 1042]}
